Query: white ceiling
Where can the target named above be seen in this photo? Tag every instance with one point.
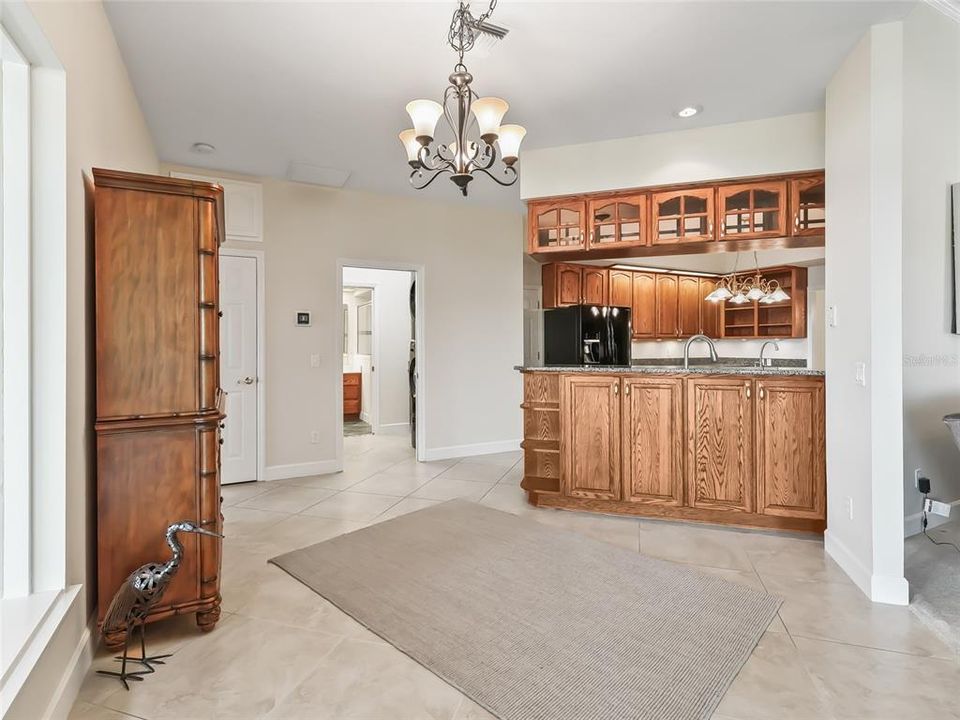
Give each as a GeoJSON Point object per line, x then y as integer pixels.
{"type": "Point", "coordinates": [326, 83]}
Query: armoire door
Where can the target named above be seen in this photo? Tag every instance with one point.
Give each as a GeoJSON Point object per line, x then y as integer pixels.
{"type": "Point", "coordinates": [720, 464]}
{"type": "Point", "coordinates": [652, 429]}
{"type": "Point", "coordinates": [590, 441]}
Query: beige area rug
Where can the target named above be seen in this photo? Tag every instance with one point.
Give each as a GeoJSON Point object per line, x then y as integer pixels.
{"type": "Point", "coordinates": [537, 623]}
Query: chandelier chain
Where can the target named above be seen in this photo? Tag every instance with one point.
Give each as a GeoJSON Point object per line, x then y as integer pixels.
{"type": "Point", "coordinates": [463, 28]}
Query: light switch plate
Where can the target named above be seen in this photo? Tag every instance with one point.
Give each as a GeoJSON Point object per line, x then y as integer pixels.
{"type": "Point", "coordinates": [833, 316]}
{"type": "Point", "coordinates": [314, 361]}
{"type": "Point", "coordinates": [861, 374]}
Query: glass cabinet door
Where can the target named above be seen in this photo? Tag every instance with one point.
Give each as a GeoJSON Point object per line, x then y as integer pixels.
{"type": "Point", "coordinates": [617, 221]}
{"type": "Point", "coordinates": [683, 216]}
{"type": "Point", "coordinates": [557, 226]}
{"type": "Point", "coordinates": [754, 210]}
{"type": "Point", "coordinates": [808, 203]}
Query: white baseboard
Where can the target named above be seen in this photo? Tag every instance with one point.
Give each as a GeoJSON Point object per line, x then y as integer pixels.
{"type": "Point", "coordinates": [879, 588]}
{"type": "Point", "coordinates": [911, 523]}
{"type": "Point", "coordinates": [295, 470]}
{"type": "Point", "coordinates": [456, 451]}
{"type": "Point", "coordinates": [365, 417]}
{"type": "Point", "coordinates": [66, 694]}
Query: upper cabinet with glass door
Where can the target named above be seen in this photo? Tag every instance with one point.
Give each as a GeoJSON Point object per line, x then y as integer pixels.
{"type": "Point", "coordinates": [617, 222]}
{"type": "Point", "coordinates": [808, 205]}
{"type": "Point", "coordinates": [558, 226]}
{"type": "Point", "coordinates": [753, 210]}
{"type": "Point", "coordinates": [683, 216]}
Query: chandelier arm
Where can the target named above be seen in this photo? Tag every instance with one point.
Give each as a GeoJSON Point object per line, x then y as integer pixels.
{"type": "Point", "coordinates": [507, 170]}
{"type": "Point", "coordinates": [436, 173]}
{"type": "Point", "coordinates": [489, 154]}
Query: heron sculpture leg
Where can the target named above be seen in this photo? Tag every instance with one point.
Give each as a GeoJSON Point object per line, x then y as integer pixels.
{"type": "Point", "coordinates": [123, 674]}
{"type": "Point", "coordinates": [145, 660]}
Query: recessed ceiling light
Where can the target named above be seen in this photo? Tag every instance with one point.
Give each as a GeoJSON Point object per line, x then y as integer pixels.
{"type": "Point", "coordinates": [203, 148]}
{"type": "Point", "coordinates": [688, 112]}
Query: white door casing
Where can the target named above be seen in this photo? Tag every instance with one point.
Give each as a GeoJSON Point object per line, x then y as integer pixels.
{"type": "Point", "coordinates": [532, 325]}
{"type": "Point", "coordinates": [239, 367]}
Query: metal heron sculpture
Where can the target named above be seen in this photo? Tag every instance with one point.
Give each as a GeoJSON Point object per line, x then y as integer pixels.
{"type": "Point", "coordinates": [139, 593]}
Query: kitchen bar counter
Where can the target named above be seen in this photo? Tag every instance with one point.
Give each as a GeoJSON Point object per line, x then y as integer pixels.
{"type": "Point", "coordinates": [719, 444]}
{"type": "Point", "coordinates": [673, 370]}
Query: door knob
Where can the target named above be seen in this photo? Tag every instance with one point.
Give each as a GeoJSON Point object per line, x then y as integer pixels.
{"type": "Point", "coordinates": [247, 380]}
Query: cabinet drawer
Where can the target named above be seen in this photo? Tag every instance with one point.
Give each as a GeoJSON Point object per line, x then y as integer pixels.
{"type": "Point", "coordinates": [351, 392]}
{"type": "Point", "coordinates": [351, 379]}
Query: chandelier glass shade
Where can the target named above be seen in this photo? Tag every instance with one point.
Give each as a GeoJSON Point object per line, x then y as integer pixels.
{"type": "Point", "coordinates": [739, 289]}
{"type": "Point", "coordinates": [473, 121]}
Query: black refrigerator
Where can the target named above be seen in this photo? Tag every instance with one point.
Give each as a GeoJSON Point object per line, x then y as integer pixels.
{"type": "Point", "coordinates": [587, 335]}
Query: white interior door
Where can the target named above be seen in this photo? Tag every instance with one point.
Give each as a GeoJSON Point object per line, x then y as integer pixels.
{"type": "Point", "coordinates": [532, 326]}
{"type": "Point", "coordinates": [238, 367]}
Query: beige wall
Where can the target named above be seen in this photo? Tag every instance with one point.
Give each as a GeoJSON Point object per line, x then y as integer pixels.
{"type": "Point", "coordinates": [473, 278]}
{"type": "Point", "coordinates": [931, 151]}
{"type": "Point", "coordinates": [105, 128]}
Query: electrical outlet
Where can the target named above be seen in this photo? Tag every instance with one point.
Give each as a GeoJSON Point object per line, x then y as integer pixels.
{"type": "Point", "coordinates": [916, 477]}
{"type": "Point", "coordinates": [936, 507]}
{"type": "Point", "coordinates": [848, 507]}
{"type": "Point", "coordinates": [314, 361]}
{"type": "Point", "coordinates": [315, 437]}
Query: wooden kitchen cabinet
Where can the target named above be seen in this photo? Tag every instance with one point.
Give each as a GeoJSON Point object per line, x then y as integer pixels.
{"type": "Point", "coordinates": [595, 283]}
{"type": "Point", "coordinates": [652, 430]}
{"type": "Point", "coordinates": [791, 456]}
{"type": "Point", "coordinates": [590, 436]}
{"type": "Point", "coordinates": [668, 319]}
{"type": "Point", "coordinates": [720, 450]}
{"type": "Point", "coordinates": [808, 202]}
{"type": "Point", "coordinates": [683, 216]}
{"type": "Point", "coordinates": [557, 226]}
{"type": "Point", "coordinates": [710, 312]}
{"type": "Point", "coordinates": [621, 288]}
{"type": "Point", "coordinates": [617, 222]}
{"type": "Point", "coordinates": [752, 210]}
{"type": "Point", "coordinates": [644, 305]}
{"type": "Point", "coordinates": [562, 285]}
{"type": "Point", "coordinates": [688, 305]}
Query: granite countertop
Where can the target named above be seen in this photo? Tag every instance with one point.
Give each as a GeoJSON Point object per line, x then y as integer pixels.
{"type": "Point", "coordinates": [718, 369]}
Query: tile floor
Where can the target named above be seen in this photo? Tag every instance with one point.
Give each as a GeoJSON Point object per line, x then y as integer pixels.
{"type": "Point", "coordinates": [282, 652]}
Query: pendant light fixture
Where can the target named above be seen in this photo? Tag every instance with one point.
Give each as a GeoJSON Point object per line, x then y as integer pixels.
{"type": "Point", "coordinates": [466, 115]}
{"type": "Point", "coordinates": [743, 289]}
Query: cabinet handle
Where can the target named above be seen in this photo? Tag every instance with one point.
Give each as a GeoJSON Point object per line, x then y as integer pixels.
{"type": "Point", "coordinates": [616, 389]}
{"type": "Point", "coordinates": [748, 391]}
{"type": "Point", "coordinates": [710, 228]}
{"type": "Point", "coordinates": [626, 389]}
{"type": "Point", "coordinates": [761, 394]}
{"type": "Point", "coordinates": [796, 221]}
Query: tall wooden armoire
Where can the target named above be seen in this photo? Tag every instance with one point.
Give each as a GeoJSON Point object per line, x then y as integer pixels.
{"type": "Point", "coordinates": [159, 406]}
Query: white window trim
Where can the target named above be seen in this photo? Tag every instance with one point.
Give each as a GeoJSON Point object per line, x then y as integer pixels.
{"type": "Point", "coordinates": [30, 620]}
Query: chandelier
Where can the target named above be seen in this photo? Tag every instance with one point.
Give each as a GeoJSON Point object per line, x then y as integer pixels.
{"type": "Point", "coordinates": [744, 289]}
{"type": "Point", "coordinates": [465, 113]}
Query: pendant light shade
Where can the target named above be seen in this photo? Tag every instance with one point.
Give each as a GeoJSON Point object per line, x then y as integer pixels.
{"type": "Point", "coordinates": [510, 138]}
{"type": "Point", "coordinates": [489, 112]}
{"type": "Point", "coordinates": [424, 114]}
{"type": "Point", "coordinates": [411, 145]}
{"type": "Point", "coordinates": [755, 293]}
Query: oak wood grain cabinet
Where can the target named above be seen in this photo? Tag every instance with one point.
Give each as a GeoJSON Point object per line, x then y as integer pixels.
{"type": "Point", "coordinates": [557, 226]}
{"type": "Point", "coordinates": [791, 455]}
{"type": "Point", "coordinates": [752, 210]}
{"type": "Point", "coordinates": [621, 287]}
{"type": "Point", "coordinates": [643, 313]}
{"type": "Point", "coordinates": [590, 436]}
{"type": "Point", "coordinates": [352, 394]}
{"type": "Point", "coordinates": [684, 215]}
{"type": "Point", "coordinates": [720, 452]}
{"type": "Point", "coordinates": [158, 402]}
{"type": "Point", "coordinates": [596, 289]}
{"type": "Point", "coordinates": [668, 310]}
{"type": "Point", "coordinates": [808, 203]}
{"type": "Point", "coordinates": [652, 424]}
{"type": "Point", "coordinates": [786, 319]}
{"type": "Point", "coordinates": [617, 222]}
{"type": "Point", "coordinates": [710, 312]}
{"type": "Point", "coordinates": [562, 285]}
{"type": "Point", "coordinates": [688, 305]}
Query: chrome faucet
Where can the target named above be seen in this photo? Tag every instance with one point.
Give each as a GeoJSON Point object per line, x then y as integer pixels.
{"type": "Point", "coordinates": [686, 349]}
{"type": "Point", "coordinates": [776, 346]}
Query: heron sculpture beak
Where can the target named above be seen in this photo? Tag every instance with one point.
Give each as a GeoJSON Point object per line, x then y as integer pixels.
{"type": "Point", "coordinates": [201, 531]}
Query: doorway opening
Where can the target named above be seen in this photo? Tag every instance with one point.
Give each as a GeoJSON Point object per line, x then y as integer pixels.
{"type": "Point", "coordinates": [378, 332]}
